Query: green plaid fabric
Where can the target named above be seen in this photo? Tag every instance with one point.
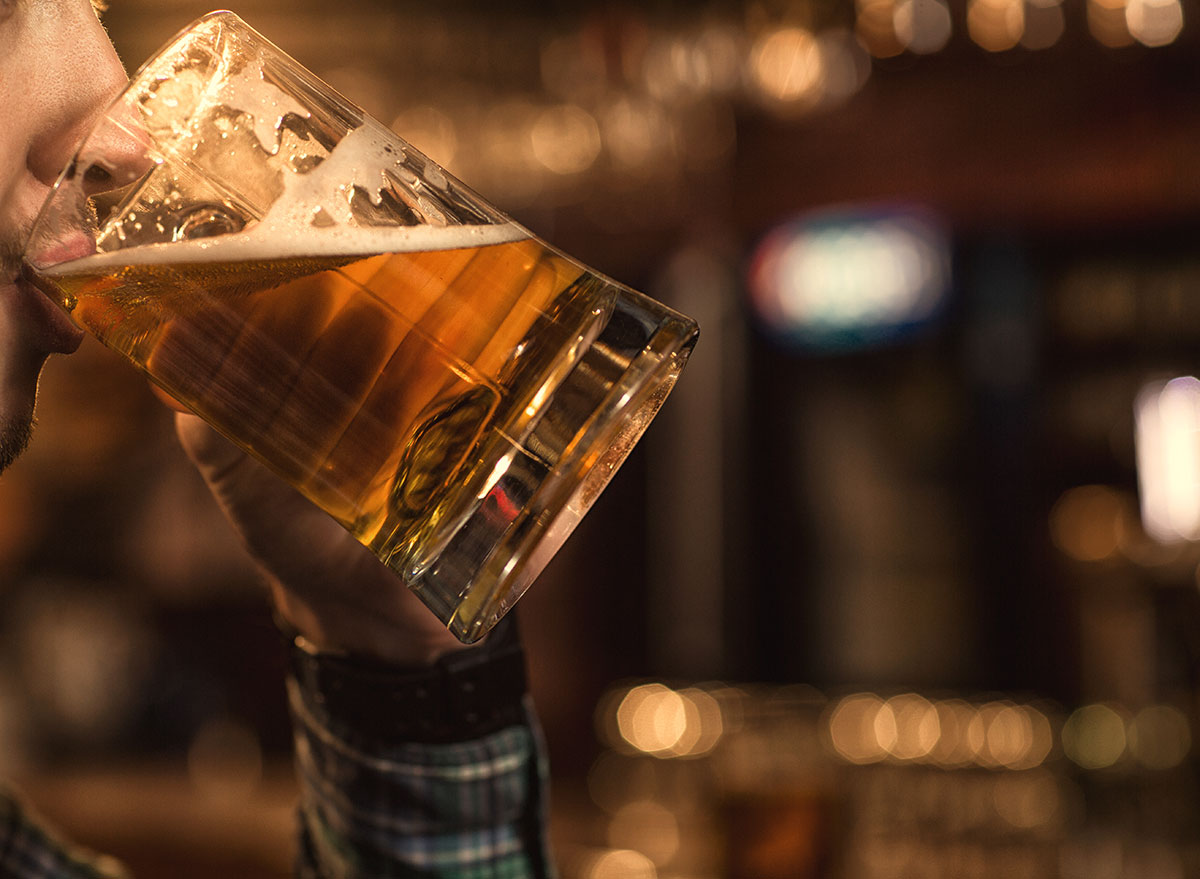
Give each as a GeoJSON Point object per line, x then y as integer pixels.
{"type": "Point", "coordinates": [29, 851]}
{"type": "Point", "coordinates": [466, 810]}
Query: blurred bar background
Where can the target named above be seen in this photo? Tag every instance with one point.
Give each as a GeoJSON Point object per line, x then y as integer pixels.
{"type": "Point", "coordinates": [903, 580]}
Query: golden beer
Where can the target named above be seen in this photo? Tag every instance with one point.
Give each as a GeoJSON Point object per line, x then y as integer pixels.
{"type": "Point", "coordinates": [385, 387]}
{"type": "Point", "coordinates": [448, 387]}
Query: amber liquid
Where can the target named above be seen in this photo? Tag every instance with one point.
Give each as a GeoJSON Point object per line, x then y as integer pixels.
{"type": "Point", "coordinates": [383, 387]}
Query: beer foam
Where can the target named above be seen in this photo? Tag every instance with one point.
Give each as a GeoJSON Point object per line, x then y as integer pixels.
{"type": "Point", "coordinates": [259, 243]}
{"type": "Point", "coordinates": [313, 216]}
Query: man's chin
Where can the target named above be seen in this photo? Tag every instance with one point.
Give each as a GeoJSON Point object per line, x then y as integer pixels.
{"type": "Point", "coordinates": [15, 433]}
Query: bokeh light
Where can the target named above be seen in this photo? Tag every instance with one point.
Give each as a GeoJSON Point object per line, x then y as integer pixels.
{"type": "Point", "coordinates": [923, 26]}
{"type": "Point", "coordinates": [618, 864]}
{"type": "Point", "coordinates": [88, 656]}
{"type": "Point", "coordinates": [875, 25]}
{"type": "Point", "coordinates": [638, 135]}
{"type": "Point", "coordinates": [1094, 736]}
{"type": "Point", "coordinates": [657, 720]}
{"type": "Point", "coordinates": [565, 139]}
{"type": "Point", "coordinates": [1044, 24]}
{"type": "Point", "coordinates": [996, 25]}
{"type": "Point", "coordinates": [952, 748]}
{"type": "Point", "coordinates": [838, 279]}
{"type": "Point", "coordinates": [1041, 742]}
{"type": "Point", "coordinates": [1154, 22]}
{"type": "Point", "coordinates": [1001, 734]}
{"type": "Point", "coordinates": [225, 760]}
{"type": "Point", "coordinates": [705, 725]}
{"type": "Point", "coordinates": [863, 728]}
{"type": "Point", "coordinates": [1107, 24]}
{"type": "Point", "coordinates": [854, 731]}
{"type": "Point", "coordinates": [915, 723]}
{"type": "Point", "coordinates": [1089, 522]}
{"type": "Point", "coordinates": [788, 67]}
{"type": "Point", "coordinates": [651, 718]}
{"type": "Point", "coordinates": [1168, 458]}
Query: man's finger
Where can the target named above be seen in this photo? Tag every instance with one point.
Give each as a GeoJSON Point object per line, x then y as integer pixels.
{"type": "Point", "coordinates": [212, 454]}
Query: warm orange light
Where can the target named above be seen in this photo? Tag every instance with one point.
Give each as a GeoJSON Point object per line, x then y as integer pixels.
{"type": "Point", "coordinates": [1010, 736]}
{"type": "Point", "coordinates": [565, 139]}
{"type": "Point", "coordinates": [786, 65]}
{"type": "Point", "coordinates": [1154, 22]}
{"type": "Point", "coordinates": [996, 25]}
{"type": "Point", "coordinates": [857, 730]}
{"type": "Point", "coordinates": [952, 747]}
{"type": "Point", "coordinates": [618, 864]}
{"type": "Point", "coordinates": [652, 718]}
{"type": "Point", "coordinates": [913, 725]}
{"type": "Point", "coordinates": [1088, 523]}
{"type": "Point", "coordinates": [1041, 740]}
{"type": "Point", "coordinates": [1044, 24]}
{"type": "Point", "coordinates": [657, 720]}
{"type": "Point", "coordinates": [704, 726]}
{"type": "Point", "coordinates": [1000, 735]}
{"type": "Point", "coordinates": [875, 25]}
{"type": "Point", "coordinates": [1106, 21]}
{"type": "Point", "coordinates": [638, 134]}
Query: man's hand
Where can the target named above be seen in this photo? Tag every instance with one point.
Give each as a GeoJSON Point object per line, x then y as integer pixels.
{"type": "Point", "coordinates": [327, 585]}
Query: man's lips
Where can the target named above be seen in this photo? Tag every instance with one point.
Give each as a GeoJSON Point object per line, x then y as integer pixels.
{"type": "Point", "coordinates": [74, 245]}
{"type": "Point", "coordinates": [51, 329]}
{"type": "Point", "coordinates": [47, 327]}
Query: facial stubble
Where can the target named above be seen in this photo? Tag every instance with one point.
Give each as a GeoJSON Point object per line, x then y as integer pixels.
{"type": "Point", "coordinates": [16, 429]}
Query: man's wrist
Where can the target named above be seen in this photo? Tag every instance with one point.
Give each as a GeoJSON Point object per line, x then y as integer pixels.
{"type": "Point", "coordinates": [332, 627]}
{"type": "Point", "coordinates": [465, 694]}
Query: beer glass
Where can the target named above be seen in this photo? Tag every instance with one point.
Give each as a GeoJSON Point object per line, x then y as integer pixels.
{"type": "Point", "coordinates": [452, 390]}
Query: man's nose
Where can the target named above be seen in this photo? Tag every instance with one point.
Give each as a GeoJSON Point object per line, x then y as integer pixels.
{"type": "Point", "coordinates": [115, 154]}
{"type": "Point", "coordinates": [75, 91]}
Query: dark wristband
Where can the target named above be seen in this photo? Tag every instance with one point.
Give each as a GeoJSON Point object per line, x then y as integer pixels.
{"type": "Point", "coordinates": [465, 695]}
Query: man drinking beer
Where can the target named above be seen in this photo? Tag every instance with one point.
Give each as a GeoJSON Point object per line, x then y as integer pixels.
{"type": "Point", "coordinates": [416, 756]}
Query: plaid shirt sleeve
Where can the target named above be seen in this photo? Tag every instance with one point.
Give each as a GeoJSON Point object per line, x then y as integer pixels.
{"type": "Point", "coordinates": [29, 851]}
{"type": "Point", "coordinates": [461, 810]}
{"type": "Point", "coordinates": [471, 809]}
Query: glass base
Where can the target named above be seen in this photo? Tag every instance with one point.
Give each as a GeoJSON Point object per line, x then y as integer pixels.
{"type": "Point", "coordinates": [533, 492]}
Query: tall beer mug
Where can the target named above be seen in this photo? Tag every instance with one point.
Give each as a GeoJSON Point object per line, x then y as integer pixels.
{"type": "Point", "coordinates": [452, 390]}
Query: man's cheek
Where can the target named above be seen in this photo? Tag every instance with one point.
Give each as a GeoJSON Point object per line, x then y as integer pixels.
{"type": "Point", "coordinates": [8, 184]}
{"type": "Point", "coordinates": [12, 172]}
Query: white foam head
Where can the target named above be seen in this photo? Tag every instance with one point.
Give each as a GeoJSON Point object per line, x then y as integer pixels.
{"type": "Point", "coordinates": [313, 215]}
